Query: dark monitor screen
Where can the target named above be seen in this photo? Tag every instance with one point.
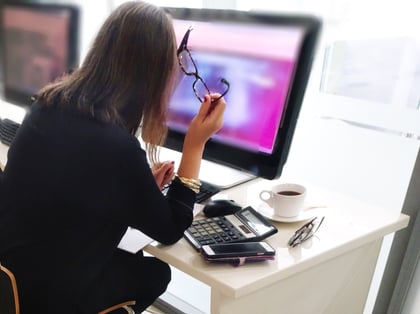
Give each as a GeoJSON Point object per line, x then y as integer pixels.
{"type": "Point", "coordinates": [267, 60]}
{"type": "Point", "coordinates": [39, 45]}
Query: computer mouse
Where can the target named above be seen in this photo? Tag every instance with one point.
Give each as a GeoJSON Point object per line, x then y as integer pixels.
{"type": "Point", "coordinates": [220, 207]}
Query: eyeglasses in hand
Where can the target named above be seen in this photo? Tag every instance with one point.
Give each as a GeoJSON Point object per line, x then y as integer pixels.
{"type": "Point", "coordinates": [306, 231]}
{"type": "Point", "coordinates": [189, 67]}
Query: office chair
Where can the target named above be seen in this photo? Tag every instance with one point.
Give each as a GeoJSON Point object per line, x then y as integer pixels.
{"type": "Point", "coordinates": [9, 299]}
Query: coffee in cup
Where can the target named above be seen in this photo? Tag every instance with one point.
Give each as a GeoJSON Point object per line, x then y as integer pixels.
{"type": "Point", "coordinates": [286, 199]}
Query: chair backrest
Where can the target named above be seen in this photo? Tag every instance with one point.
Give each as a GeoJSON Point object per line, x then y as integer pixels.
{"type": "Point", "coordinates": [9, 300]}
{"type": "Point", "coordinates": [123, 305]}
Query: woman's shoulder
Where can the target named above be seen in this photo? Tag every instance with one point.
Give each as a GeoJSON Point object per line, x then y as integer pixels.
{"type": "Point", "coordinates": [78, 128]}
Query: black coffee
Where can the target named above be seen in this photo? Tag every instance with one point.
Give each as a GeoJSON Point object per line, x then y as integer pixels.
{"type": "Point", "coordinates": [290, 193]}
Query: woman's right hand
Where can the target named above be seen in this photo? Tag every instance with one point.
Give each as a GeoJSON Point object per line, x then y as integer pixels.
{"type": "Point", "coordinates": [208, 121]}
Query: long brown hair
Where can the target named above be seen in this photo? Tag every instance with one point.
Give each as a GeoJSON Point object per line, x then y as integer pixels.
{"type": "Point", "coordinates": [127, 76]}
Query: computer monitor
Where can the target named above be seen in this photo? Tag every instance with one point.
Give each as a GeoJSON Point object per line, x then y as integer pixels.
{"type": "Point", "coordinates": [40, 44]}
{"type": "Point", "coordinates": [267, 60]}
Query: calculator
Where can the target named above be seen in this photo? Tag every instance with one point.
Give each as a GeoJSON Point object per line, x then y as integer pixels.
{"type": "Point", "coordinates": [245, 225]}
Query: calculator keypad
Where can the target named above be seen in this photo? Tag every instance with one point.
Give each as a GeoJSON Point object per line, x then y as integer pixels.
{"type": "Point", "coordinates": [214, 230]}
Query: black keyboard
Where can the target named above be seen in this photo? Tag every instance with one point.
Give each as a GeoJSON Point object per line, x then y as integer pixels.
{"type": "Point", "coordinates": [8, 129]}
{"type": "Point", "coordinates": [207, 190]}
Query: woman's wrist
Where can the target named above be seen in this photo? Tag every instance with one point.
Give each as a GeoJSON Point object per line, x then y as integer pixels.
{"type": "Point", "coordinates": [193, 145]}
{"type": "Point", "coordinates": [189, 166]}
{"type": "Point", "coordinates": [193, 184]}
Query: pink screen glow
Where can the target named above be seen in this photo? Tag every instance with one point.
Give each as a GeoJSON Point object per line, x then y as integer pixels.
{"type": "Point", "coordinates": [36, 47]}
{"type": "Point", "coordinates": [259, 63]}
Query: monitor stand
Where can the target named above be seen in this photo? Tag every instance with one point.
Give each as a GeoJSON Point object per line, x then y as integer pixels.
{"type": "Point", "coordinates": [219, 175]}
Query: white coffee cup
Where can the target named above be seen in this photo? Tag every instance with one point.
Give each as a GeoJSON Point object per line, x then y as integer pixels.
{"type": "Point", "coordinates": [286, 199]}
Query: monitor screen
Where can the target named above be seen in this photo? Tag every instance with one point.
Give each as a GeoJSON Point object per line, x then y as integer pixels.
{"type": "Point", "coordinates": [39, 45]}
{"type": "Point", "coordinates": [260, 72]}
{"type": "Point", "coordinates": [266, 59]}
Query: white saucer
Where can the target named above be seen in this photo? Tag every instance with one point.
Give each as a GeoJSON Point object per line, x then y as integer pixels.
{"type": "Point", "coordinates": [268, 212]}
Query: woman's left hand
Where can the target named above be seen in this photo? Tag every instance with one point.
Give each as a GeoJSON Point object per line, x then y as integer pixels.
{"type": "Point", "coordinates": [163, 173]}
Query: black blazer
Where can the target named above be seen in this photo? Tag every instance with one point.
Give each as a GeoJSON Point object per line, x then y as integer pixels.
{"type": "Point", "coordinates": [71, 187]}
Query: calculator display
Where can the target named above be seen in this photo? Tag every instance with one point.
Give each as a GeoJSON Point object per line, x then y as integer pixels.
{"type": "Point", "coordinates": [255, 223]}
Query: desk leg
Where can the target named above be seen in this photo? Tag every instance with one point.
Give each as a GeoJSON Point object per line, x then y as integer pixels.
{"type": "Point", "coordinates": [339, 285]}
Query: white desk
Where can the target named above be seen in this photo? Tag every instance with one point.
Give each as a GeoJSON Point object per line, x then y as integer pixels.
{"type": "Point", "coordinates": [330, 273]}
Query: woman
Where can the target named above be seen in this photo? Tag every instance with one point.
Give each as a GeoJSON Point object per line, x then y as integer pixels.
{"type": "Point", "coordinates": [77, 177]}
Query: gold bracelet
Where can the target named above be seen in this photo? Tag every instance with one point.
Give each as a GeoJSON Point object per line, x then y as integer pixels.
{"type": "Point", "coordinates": [192, 184]}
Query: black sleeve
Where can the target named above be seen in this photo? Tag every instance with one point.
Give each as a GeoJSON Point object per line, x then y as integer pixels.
{"type": "Point", "coordinates": [162, 218]}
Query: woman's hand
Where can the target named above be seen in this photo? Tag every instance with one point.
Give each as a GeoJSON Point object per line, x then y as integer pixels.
{"type": "Point", "coordinates": [207, 122]}
{"type": "Point", "coordinates": [163, 173]}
